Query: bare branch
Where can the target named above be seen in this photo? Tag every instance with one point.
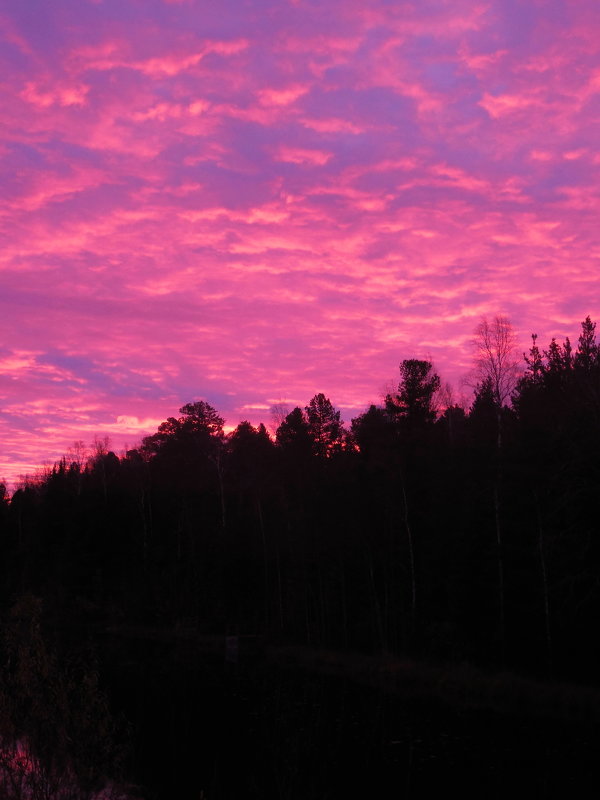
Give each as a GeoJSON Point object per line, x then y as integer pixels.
{"type": "Point", "coordinates": [496, 359]}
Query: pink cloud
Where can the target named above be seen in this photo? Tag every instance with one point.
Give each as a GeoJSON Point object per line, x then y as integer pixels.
{"type": "Point", "coordinates": [482, 63]}
{"type": "Point", "coordinates": [61, 95]}
{"type": "Point", "coordinates": [283, 96]}
{"type": "Point", "coordinates": [241, 209]}
{"type": "Point", "coordinates": [298, 155]}
{"type": "Point", "coordinates": [111, 55]}
{"type": "Point", "coordinates": [173, 64]}
{"type": "Point", "coordinates": [333, 125]}
{"type": "Point", "coordinates": [499, 105]}
{"type": "Point", "coordinates": [9, 32]}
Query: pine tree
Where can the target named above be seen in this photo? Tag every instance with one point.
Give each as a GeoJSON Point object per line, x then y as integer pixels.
{"type": "Point", "coordinates": [415, 401]}
{"type": "Point", "coordinates": [325, 427]}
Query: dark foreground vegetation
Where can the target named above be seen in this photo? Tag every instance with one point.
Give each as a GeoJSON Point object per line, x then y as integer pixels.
{"type": "Point", "coordinates": [460, 536]}
{"type": "Point", "coordinates": [445, 534]}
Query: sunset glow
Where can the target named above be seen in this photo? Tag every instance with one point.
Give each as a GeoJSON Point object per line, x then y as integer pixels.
{"type": "Point", "coordinates": [252, 202]}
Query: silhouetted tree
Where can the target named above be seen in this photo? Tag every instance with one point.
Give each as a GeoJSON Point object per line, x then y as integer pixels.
{"type": "Point", "coordinates": [325, 427]}
{"type": "Point", "coordinates": [374, 435]}
{"type": "Point", "coordinates": [337, 551]}
{"type": "Point", "coordinates": [586, 355]}
{"type": "Point", "coordinates": [293, 435]}
{"type": "Point", "coordinates": [453, 421]}
{"type": "Point", "coordinates": [535, 363]}
{"type": "Point", "coordinates": [199, 425]}
{"type": "Point", "coordinates": [483, 417]}
{"type": "Point", "coordinates": [496, 367]}
{"type": "Point", "coordinates": [414, 402]}
{"type": "Point", "coordinates": [413, 409]}
{"type": "Point", "coordinates": [495, 357]}
{"type": "Point", "coordinates": [250, 451]}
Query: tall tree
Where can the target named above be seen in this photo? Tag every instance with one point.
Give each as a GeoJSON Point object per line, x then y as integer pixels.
{"type": "Point", "coordinates": [495, 357]}
{"type": "Point", "coordinates": [587, 349]}
{"type": "Point", "coordinates": [199, 425]}
{"type": "Point", "coordinates": [496, 367]}
{"type": "Point", "coordinates": [535, 363]}
{"type": "Point", "coordinates": [192, 448]}
{"type": "Point", "coordinates": [372, 433]}
{"type": "Point", "coordinates": [325, 427]}
{"type": "Point", "coordinates": [415, 400]}
{"type": "Point", "coordinates": [293, 434]}
{"type": "Point", "coordinates": [250, 453]}
{"type": "Point", "coordinates": [413, 406]}
{"type": "Point", "coordinates": [200, 417]}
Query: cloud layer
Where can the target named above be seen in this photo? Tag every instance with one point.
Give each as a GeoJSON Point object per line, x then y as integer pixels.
{"type": "Point", "coordinates": [250, 202]}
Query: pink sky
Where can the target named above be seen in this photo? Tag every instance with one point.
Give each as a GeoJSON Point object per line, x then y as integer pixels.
{"type": "Point", "coordinates": [248, 202]}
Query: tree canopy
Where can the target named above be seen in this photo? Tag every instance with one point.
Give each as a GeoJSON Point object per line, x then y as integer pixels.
{"type": "Point", "coordinates": [415, 400]}
{"type": "Point", "coordinates": [384, 537]}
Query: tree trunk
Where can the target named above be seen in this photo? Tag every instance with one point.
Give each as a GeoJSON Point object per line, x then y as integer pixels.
{"type": "Point", "coordinates": [344, 607]}
{"type": "Point", "coordinates": [411, 554]}
{"type": "Point", "coordinates": [544, 567]}
{"type": "Point", "coordinates": [261, 525]}
{"type": "Point", "coordinates": [500, 558]}
{"type": "Point", "coordinates": [376, 604]}
{"type": "Point", "coordinates": [221, 491]}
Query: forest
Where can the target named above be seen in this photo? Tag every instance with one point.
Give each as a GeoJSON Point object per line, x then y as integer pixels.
{"type": "Point", "coordinates": [443, 533]}
{"type": "Point", "coordinates": [424, 529]}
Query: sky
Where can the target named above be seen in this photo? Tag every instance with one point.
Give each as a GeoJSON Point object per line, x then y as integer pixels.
{"type": "Point", "coordinates": [252, 201]}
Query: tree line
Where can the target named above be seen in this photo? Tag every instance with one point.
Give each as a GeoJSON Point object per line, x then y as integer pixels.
{"type": "Point", "coordinates": [460, 534]}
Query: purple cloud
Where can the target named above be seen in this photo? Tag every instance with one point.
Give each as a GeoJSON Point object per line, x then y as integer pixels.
{"type": "Point", "coordinates": [249, 202]}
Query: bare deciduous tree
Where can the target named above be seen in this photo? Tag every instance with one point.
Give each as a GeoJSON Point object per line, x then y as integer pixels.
{"type": "Point", "coordinates": [496, 365]}
{"type": "Point", "coordinates": [496, 358]}
{"type": "Point", "coordinates": [278, 412]}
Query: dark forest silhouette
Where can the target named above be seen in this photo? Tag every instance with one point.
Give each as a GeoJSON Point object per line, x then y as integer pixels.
{"type": "Point", "coordinates": [453, 536]}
